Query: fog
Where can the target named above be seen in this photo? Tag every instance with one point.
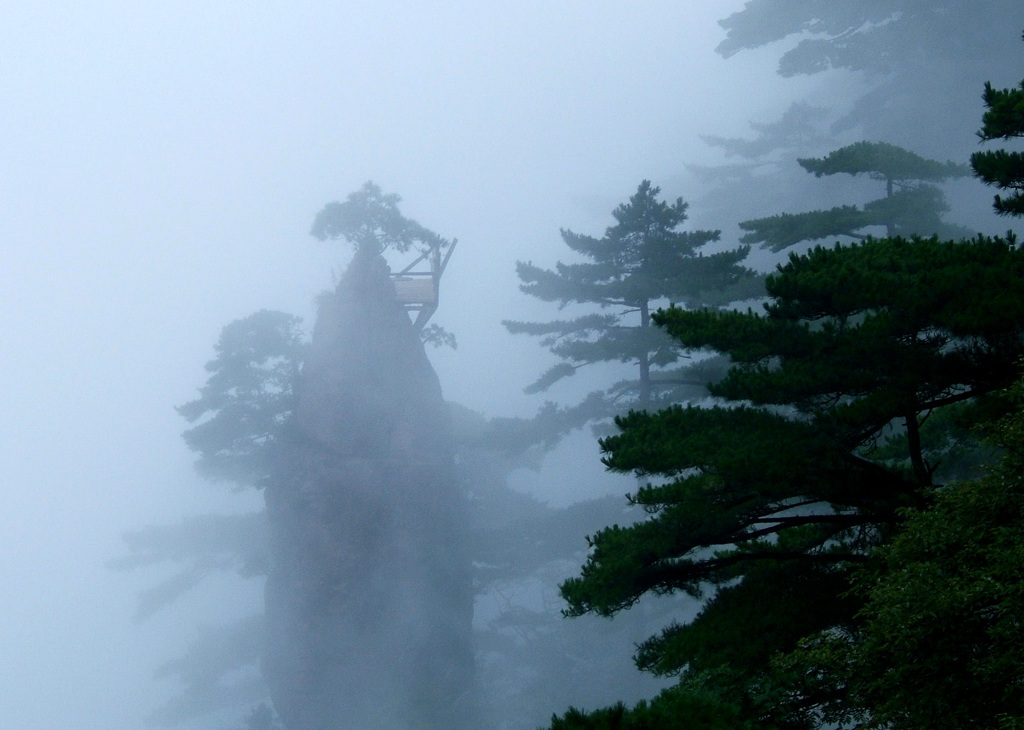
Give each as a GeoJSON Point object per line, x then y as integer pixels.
{"type": "Point", "coordinates": [162, 164]}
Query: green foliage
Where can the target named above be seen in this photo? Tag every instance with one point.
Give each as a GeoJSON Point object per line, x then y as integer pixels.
{"type": "Point", "coordinates": [739, 631]}
{"type": "Point", "coordinates": [1004, 119]}
{"type": "Point", "coordinates": [370, 220]}
{"type": "Point", "coordinates": [641, 259]}
{"type": "Point", "coordinates": [781, 231]}
{"type": "Point", "coordinates": [910, 206]}
{"type": "Point", "coordinates": [949, 609]}
{"type": "Point", "coordinates": [937, 641]}
{"type": "Point", "coordinates": [770, 502]}
{"type": "Point", "coordinates": [247, 399]}
{"type": "Point", "coordinates": [1004, 170]}
{"type": "Point", "coordinates": [882, 161]}
{"type": "Point", "coordinates": [677, 707]}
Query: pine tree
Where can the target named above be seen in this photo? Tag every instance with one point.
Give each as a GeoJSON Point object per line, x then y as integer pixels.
{"type": "Point", "coordinates": [769, 502]}
{"type": "Point", "coordinates": [243, 407]}
{"type": "Point", "coordinates": [912, 204]}
{"type": "Point", "coordinates": [936, 645]}
{"type": "Point", "coordinates": [1002, 168]}
{"type": "Point", "coordinates": [370, 220]}
{"type": "Point", "coordinates": [643, 259]}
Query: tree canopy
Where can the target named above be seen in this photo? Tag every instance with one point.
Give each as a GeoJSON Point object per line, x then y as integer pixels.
{"type": "Point", "coordinates": [768, 502]}
{"type": "Point", "coordinates": [371, 221]}
{"type": "Point", "coordinates": [911, 204]}
{"type": "Point", "coordinates": [642, 259]}
{"type": "Point", "coordinates": [1004, 119]}
{"type": "Point", "coordinates": [936, 644]}
{"type": "Point", "coordinates": [248, 397]}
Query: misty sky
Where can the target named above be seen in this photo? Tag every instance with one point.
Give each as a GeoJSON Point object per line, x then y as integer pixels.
{"type": "Point", "coordinates": [162, 164]}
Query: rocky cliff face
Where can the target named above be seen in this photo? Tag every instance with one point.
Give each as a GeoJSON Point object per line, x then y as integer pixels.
{"type": "Point", "coordinates": [368, 599]}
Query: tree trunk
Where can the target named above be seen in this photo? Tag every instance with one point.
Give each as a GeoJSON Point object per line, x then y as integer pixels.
{"type": "Point", "coordinates": [644, 358]}
{"type": "Point", "coordinates": [924, 477]}
{"type": "Point", "coordinates": [888, 193]}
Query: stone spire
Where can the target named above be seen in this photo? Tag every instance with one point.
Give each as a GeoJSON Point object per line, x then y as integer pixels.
{"type": "Point", "coordinates": [369, 596]}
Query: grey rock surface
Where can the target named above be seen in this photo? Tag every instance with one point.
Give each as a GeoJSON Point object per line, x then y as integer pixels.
{"type": "Point", "coordinates": [369, 597]}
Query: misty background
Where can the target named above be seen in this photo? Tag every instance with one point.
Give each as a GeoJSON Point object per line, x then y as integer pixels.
{"type": "Point", "coordinates": [162, 165]}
